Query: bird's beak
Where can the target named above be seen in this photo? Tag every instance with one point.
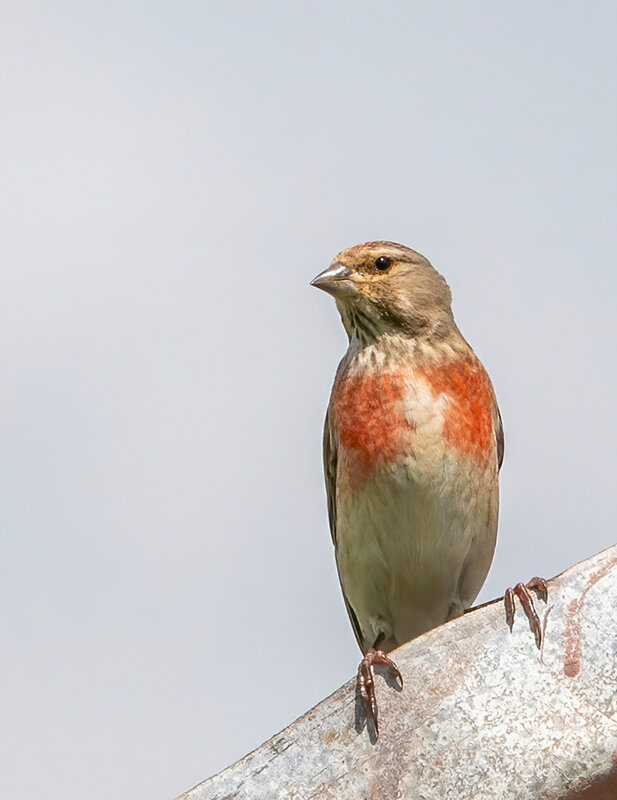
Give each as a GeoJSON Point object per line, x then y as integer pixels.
{"type": "Point", "coordinates": [335, 280]}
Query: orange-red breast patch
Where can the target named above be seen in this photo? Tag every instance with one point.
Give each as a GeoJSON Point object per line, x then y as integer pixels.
{"type": "Point", "coordinates": [369, 412]}
{"type": "Point", "coordinates": [468, 423]}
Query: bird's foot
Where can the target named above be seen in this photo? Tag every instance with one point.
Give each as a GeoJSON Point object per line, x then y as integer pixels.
{"type": "Point", "coordinates": [523, 592]}
{"type": "Point", "coordinates": [366, 681]}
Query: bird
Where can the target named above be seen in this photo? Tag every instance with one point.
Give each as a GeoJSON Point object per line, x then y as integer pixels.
{"type": "Point", "coordinates": [413, 444]}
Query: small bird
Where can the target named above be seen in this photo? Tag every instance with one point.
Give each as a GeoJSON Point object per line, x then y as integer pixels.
{"type": "Point", "coordinates": [413, 444]}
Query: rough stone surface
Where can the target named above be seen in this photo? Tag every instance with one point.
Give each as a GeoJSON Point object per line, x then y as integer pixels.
{"type": "Point", "coordinates": [484, 715]}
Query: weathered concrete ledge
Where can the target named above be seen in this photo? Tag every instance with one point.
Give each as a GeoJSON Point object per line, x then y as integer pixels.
{"type": "Point", "coordinates": [483, 716]}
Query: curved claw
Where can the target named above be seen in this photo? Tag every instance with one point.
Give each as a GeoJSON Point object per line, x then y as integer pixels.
{"type": "Point", "coordinates": [523, 592]}
{"type": "Point", "coordinates": [366, 681]}
{"type": "Point", "coordinates": [540, 587]}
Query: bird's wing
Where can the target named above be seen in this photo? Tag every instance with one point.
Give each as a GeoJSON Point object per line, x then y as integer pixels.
{"type": "Point", "coordinates": [329, 469]}
{"type": "Point", "coordinates": [355, 625]}
{"type": "Point", "coordinates": [329, 464]}
{"type": "Point", "coordinates": [498, 424]}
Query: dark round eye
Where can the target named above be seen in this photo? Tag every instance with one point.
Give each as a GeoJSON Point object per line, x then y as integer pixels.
{"type": "Point", "coordinates": [383, 263]}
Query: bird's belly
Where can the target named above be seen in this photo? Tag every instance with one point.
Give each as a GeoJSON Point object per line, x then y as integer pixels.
{"type": "Point", "coordinates": [414, 547]}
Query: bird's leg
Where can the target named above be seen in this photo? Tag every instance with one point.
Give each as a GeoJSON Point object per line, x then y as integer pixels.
{"type": "Point", "coordinates": [523, 592]}
{"type": "Point", "coordinates": [366, 679]}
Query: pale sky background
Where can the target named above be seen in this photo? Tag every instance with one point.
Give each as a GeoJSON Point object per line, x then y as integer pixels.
{"type": "Point", "coordinates": [172, 176]}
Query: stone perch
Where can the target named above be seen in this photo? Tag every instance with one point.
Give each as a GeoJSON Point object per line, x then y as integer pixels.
{"type": "Point", "coordinates": [484, 715]}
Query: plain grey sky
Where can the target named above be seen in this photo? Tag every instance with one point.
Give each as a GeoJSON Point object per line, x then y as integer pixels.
{"type": "Point", "coordinates": [172, 176]}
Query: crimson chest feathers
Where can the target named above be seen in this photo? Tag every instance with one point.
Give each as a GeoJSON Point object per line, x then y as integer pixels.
{"type": "Point", "coordinates": [383, 418]}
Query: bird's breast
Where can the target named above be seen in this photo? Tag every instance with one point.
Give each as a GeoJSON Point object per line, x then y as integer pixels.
{"type": "Point", "coordinates": [412, 416]}
{"type": "Point", "coordinates": [369, 414]}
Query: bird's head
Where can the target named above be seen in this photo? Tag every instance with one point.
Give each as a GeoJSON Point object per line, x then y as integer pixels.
{"type": "Point", "coordinates": [383, 287]}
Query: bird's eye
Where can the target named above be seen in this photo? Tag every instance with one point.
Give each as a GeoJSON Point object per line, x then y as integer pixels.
{"type": "Point", "coordinates": [383, 263]}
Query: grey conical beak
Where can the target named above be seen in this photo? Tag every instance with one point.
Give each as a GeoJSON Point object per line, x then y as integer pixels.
{"type": "Point", "coordinates": [334, 280]}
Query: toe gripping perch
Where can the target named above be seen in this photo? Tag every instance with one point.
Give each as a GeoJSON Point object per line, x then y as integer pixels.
{"type": "Point", "coordinates": [524, 593]}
